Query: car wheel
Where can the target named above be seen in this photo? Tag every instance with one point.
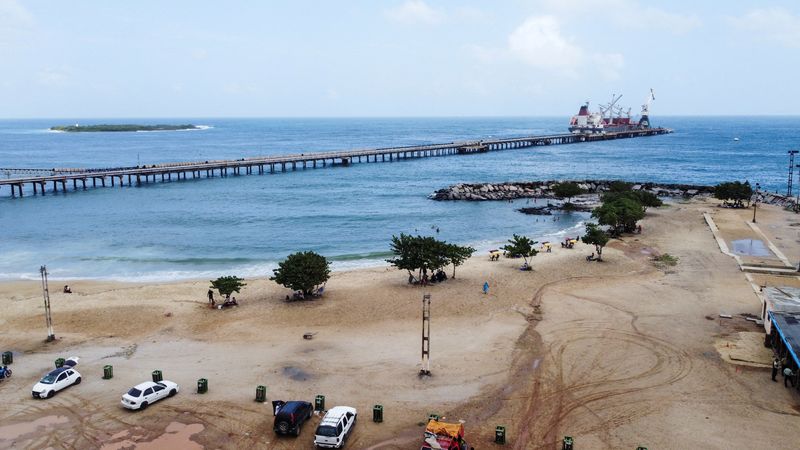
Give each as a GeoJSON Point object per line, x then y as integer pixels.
{"type": "Point", "coordinates": [143, 405]}
{"type": "Point", "coordinates": [77, 381]}
{"type": "Point", "coordinates": [172, 392]}
{"type": "Point", "coordinates": [51, 394]}
{"type": "Point", "coordinates": [296, 431]}
{"type": "Point", "coordinates": [283, 427]}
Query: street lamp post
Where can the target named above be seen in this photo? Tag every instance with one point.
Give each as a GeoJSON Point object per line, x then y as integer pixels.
{"type": "Point", "coordinates": [755, 203]}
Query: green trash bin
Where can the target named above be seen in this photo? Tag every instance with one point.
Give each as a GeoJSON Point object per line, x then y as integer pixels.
{"type": "Point", "coordinates": [319, 403]}
{"type": "Point", "coordinates": [59, 362]}
{"type": "Point", "coordinates": [377, 413]}
{"type": "Point", "coordinates": [261, 394]}
{"type": "Point", "coordinates": [8, 358]}
{"type": "Point", "coordinates": [108, 372]}
{"type": "Point", "coordinates": [500, 435]}
{"type": "Point", "coordinates": [566, 444]}
{"type": "Point", "coordinates": [433, 416]}
{"type": "Point", "coordinates": [202, 386]}
{"type": "Point", "coordinates": [157, 376]}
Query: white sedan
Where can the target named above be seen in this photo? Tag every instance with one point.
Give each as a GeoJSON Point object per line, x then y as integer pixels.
{"type": "Point", "coordinates": [55, 381]}
{"type": "Point", "coordinates": [147, 393]}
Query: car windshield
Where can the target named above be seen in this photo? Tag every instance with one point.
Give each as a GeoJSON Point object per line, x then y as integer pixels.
{"type": "Point", "coordinates": [134, 392]}
{"type": "Point", "coordinates": [326, 430]}
{"type": "Point", "coordinates": [48, 379]}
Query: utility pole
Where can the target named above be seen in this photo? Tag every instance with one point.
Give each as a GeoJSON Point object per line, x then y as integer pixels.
{"type": "Point", "coordinates": [426, 336]}
{"type": "Point", "coordinates": [755, 202]}
{"type": "Point", "coordinates": [46, 294]}
{"type": "Point", "coordinates": [791, 172]}
{"type": "Point", "coordinates": [797, 200]}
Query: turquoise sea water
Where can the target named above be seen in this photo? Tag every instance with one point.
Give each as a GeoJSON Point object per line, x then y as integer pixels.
{"type": "Point", "coordinates": [243, 225]}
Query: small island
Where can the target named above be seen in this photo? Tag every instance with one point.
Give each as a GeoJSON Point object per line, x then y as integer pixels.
{"type": "Point", "coordinates": [121, 128]}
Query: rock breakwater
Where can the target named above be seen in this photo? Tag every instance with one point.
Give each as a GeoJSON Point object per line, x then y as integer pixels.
{"type": "Point", "coordinates": [544, 189]}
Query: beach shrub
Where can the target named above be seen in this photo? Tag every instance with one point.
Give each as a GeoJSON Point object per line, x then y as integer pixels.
{"type": "Point", "coordinates": [228, 285]}
{"type": "Point", "coordinates": [665, 259]}
{"type": "Point", "coordinates": [596, 236]}
{"type": "Point", "coordinates": [421, 254]}
{"type": "Point", "coordinates": [521, 246]}
{"type": "Point", "coordinates": [619, 186]}
{"type": "Point", "coordinates": [567, 189]}
{"type": "Point", "coordinates": [302, 271]}
{"type": "Point", "coordinates": [620, 213]}
{"type": "Point", "coordinates": [735, 191]}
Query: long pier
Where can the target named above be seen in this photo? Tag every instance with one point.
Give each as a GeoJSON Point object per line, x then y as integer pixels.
{"type": "Point", "coordinates": [36, 181]}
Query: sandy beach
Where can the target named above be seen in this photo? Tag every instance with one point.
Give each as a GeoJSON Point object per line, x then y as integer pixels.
{"type": "Point", "coordinates": [616, 354]}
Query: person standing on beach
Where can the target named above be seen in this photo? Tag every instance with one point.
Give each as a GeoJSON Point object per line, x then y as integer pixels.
{"type": "Point", "coordinates": [485, 288]}
{"type": "Point", "coordinates": [776, 364]}
{"type": "Point", "coordinates": [787, 376]}
{"type": "Point", "coordinates": [211, 297]}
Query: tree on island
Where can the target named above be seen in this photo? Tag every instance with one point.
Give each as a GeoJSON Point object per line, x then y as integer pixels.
{"type": "Point", "coordinates": [228, 285]}
{"type": "Point", "coordinates": [420, 254]}
{"type": "Point", "coordinates": [735, 191]}
{"type": "Point", "coordinates": [620, 213]}
{"type": "Point", "coordinates": [567, 189]}
{"type": "Point", "coordinates": [303, 271]}
{"type": "Point", "coordinates": [521, 246]}
{"type": "Point", "coordinates": [596, 236]}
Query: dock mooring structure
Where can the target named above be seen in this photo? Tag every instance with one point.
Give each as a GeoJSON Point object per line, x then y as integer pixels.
{"type": "Point", "coordinates": [39, 181]}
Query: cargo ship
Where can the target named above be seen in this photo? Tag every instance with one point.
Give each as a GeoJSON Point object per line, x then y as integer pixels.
{"type": "Point", "coordinates": [610, 118]}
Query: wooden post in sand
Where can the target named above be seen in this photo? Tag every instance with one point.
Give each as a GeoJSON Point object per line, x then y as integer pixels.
{"type": "Point", "coordinates": [426, 335]}
{"type": "Point", "coordinates": [46, 294]}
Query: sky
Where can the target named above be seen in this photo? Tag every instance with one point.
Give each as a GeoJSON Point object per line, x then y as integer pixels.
{"type": "Point", "coordinates": [395, 58]}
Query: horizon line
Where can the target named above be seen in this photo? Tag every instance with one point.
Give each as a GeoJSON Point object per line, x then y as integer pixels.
{"type": "Point", "coordinates": [513, 116]}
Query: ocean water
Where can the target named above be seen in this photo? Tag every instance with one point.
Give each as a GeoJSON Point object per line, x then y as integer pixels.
{"type": "Point", "coordinates": [243, 225]}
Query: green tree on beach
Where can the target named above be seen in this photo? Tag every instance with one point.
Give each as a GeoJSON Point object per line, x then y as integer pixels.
{"type": "Point", "coordinates": [619, 186]}
{"type": "Point", "coordinates": [302, 271]}
{"type": "Point", "coordinates": [567, 189]}
{"type": "Point", "coordinates": [228, 285]}
{"type": "Point", "coordinates": [644, 198]}
{"type": "Point", "coordinates": [596, 236]}
{"type": "Point", "coordinates": [621, 214]}
{"type": "Point", "coordinates": [420, 254]}
{"type": "Point", "coordinates": [735, 191]}
{"type": "Point", "coordinates": [521, 246]}
{"type": "Point", "coordinates": [458, 255]}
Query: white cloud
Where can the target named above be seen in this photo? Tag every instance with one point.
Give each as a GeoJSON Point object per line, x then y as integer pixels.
{"type": "Point", "coordinates": [775, 24]}
{"type": "Point", "coordinates": [539, 43]}
{"type": "Point", "coordinates": [199, 54]}
{"type": "Point", "coordinates": [415, 12]}
{"type": "Point", "coordinates": [13, 19]}
{"type": "Point", "coordinates": [51, 76]}
{"type": "Point", "coordinates": [608, 65]}
{"type": "Point", "coordinates": [332, 94]}
{"type": "Point", "coordinates": [626, 14]}
{"type": "Point", "coordinates": [237, 88]}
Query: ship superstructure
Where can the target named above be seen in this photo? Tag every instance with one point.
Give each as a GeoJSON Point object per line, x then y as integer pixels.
{"type": "Point", "coordinates": [610, 118]}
